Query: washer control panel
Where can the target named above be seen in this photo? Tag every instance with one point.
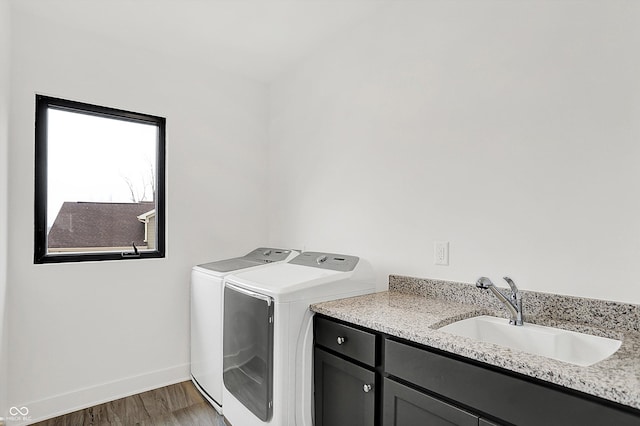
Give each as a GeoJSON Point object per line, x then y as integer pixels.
{"type": "Point", "coordinates": [333, 261]}
{"type": "Point", "coordinates": [268, 255]}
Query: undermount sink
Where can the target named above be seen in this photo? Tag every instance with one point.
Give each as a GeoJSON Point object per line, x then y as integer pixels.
{"type": "Point", "coordinates": [563, 345]}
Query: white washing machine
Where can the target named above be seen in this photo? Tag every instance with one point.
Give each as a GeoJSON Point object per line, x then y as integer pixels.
{"type": "Point", "coordinates": [206, 316]}
{"type": "Point", "coordinates": [268, 334]}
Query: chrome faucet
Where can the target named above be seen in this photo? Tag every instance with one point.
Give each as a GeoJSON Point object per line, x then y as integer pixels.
{"type": "Point", "coordinates": [514, 306]}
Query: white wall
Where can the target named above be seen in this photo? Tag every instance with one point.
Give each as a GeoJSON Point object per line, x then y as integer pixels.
{"type": "Point", "coordinates": [509, 129]}
{"type": "Point", "coordinates": [86, 332]}
{"type": "Point", "coordinates": [4, 142]}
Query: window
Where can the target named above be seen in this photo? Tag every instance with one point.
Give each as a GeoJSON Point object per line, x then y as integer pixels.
{"type": "Point", "coordinates": [99, 183]}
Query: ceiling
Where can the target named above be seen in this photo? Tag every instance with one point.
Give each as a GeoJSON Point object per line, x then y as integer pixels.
{"type": "Point", "coordinates": [256, 38]}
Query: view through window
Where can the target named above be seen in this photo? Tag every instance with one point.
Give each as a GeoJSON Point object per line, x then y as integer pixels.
{"type": "Point", "coordinates": [99, 183]}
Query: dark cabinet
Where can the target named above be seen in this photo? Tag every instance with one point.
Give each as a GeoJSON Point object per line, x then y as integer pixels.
{"type": "Point", "coordinates": [345, 375]}
{"type": "Point", "coordinates": [505, 396]}
{"type": "Point", "coordinates": [345, 393]}
{"type": "Point", "coordinates": [410, 384]}
{"type": "Point", "coordinates": [404, 406]}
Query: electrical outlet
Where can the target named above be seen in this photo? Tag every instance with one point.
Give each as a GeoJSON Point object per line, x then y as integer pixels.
{"type": "Point", "coordinates": [441, 253]}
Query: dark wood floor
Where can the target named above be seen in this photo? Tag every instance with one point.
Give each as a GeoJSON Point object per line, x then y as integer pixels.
{"type": "Point", "coordinates": [180, 405]}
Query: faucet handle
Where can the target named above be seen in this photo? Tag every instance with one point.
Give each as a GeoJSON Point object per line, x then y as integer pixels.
{"type": "Point", "coordinates": [514, 289]}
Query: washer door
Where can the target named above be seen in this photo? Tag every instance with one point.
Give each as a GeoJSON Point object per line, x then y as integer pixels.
{"type": "Point", "coordinates": [248, 349]}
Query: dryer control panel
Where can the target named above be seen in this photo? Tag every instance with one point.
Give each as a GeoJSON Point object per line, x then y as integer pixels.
{"type": "Point", "coordinates": [332, 261]}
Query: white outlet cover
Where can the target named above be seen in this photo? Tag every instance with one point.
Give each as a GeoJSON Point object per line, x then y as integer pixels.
{"type": "Point", "coordinates": [441, 253]}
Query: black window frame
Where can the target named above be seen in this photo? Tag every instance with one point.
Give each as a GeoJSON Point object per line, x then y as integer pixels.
{"type": "Point", "coordinates": [43, 103]}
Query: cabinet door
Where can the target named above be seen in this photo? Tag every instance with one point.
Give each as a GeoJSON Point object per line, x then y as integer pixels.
{"type": "Point", "coordinates": [344, 392]}
{"type": "Point", "coordinates": [404, 406]}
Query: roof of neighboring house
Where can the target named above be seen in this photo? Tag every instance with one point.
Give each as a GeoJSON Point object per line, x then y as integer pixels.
{"type": "Point", "coordinates": [90, 224]}
{"type": "Point", "coordinates": [147, 215]}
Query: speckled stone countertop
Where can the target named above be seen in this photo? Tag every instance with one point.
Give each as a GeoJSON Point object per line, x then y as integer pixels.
{"type": "Point", "coordinates": [414, 309]}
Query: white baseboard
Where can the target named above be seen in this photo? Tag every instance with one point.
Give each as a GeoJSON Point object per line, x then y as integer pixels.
{"type": "Point", "coordinates": [69, 402]}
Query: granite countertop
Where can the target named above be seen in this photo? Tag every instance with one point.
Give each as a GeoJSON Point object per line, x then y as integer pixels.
{"type": "Point", "coordinates": [408, 314]}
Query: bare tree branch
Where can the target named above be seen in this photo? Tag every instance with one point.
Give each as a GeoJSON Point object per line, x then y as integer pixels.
{"type": "Point", "coordinates": [131, 188]}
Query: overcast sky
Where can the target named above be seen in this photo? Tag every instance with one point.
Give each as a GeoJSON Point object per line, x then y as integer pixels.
{"type": "Point", "coordinates": [90, 159]}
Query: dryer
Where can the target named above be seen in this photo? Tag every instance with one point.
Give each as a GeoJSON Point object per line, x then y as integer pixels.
{"type": "Point", "coordinates": [268, 334]}
{"type": "Point", "coordinates": [206, 316]}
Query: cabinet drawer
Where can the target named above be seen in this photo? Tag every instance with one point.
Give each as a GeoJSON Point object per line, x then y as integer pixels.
{"type": "Point", "coordinates": [348, 341]}
{"type": "Point", "coordinates": [485, 422]}
{"type": "Point", "coordinates": [404, 406]}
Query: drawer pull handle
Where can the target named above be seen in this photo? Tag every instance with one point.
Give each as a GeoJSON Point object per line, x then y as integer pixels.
{"type": "Point", "coordinates": [341, 340]}
{"type": "Point", "coordinates": [366, 388]}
